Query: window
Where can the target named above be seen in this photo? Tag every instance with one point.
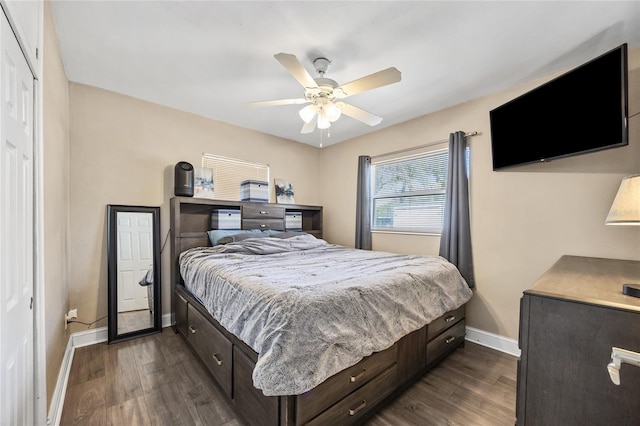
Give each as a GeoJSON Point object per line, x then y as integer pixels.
{"type": "Point", "coordinates": [228, 173]}
{"type": "Point", "coordinates": [408, 193]}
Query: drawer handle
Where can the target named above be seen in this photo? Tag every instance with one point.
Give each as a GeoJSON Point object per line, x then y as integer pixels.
{"type": "Point", "coordinates": [264, 226]}
{"type": "Point", "coordinates": [264, 212]}
{"type": "Point", "coordinates": [450, 339]}
{"type": "Point", "coordinates": [192, 330]}
{"type": "Point", "coordinates": [216, 359]}
{"type": "Point", "coordinates": [354, 411]}
{"type": "Point", "coordinates": [354, 378]}
{"type": "Point", "coordinates": [450, 318]}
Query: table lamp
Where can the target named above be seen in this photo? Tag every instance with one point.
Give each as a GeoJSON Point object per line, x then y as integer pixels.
{"type": "Point", "coordinates": [625, 210]}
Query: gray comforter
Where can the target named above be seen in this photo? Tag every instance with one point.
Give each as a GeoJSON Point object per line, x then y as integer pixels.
{"type": "Point", "coordinates": [311, 309]}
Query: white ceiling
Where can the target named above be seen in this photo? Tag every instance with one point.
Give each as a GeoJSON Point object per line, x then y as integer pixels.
{"type": "Point", "coordinates": [210, 57]}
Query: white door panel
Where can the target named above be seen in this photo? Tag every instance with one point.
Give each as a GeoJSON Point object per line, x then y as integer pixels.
{"type": "Point", "coordinates": [16, 224]}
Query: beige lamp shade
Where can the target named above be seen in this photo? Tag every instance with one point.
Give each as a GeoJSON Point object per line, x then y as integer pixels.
{"type": "Point", "coordinates": [625, 209]}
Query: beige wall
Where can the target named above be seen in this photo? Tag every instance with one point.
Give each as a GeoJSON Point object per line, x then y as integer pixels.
{"type": "Point", "coordinates": [56, 200]}
{"type": "Point", "coordinates": [123, 151]}
{"type": "Point", "coordinates": [522, 219]}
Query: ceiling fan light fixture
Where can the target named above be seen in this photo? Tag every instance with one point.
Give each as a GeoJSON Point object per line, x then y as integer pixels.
{"type": "Point", "coordinates": [325, 94]}
{"type": "Point", "coordinates": [307, 113]}
{"type": "Point", "coordinates": [333, 111]}
{"type": "Point", "coordinates": [323, 121]}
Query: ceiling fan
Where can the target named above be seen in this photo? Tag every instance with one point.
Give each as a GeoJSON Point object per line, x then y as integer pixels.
{"type": "Point", "coordinates": [324, 95]}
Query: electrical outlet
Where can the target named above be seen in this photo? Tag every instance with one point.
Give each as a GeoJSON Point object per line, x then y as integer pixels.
{"type": "Point", "coordinates": [71, 315]}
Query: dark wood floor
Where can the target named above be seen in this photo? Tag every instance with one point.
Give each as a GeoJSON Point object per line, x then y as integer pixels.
{"type": "Point", "coordinates": [156, 380]}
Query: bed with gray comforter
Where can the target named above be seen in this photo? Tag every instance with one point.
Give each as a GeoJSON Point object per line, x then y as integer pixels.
{"type": "Point", "coordinates": [310, 309]}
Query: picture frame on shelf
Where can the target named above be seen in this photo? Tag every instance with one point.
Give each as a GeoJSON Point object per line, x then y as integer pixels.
{"type": "Point", "coordinates": [284, 191]}
{"type": "Point", "coordinates": [203, 183]}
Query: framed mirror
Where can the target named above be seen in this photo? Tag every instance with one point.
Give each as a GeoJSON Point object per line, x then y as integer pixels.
{"type": "Point", "coordinates": [133, 271]}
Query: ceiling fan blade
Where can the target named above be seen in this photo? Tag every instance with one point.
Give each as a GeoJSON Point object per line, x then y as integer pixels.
{"type": "Point", "coordinates": [276, 102]}
{"type": "Point", "coordinates": [309, 127]}
{"type": "Point", "coordinates": [360, 114]}
{"type": "Point", "coordinates": [372, 81]}
{"type": "Point", "coordinates": [295, 68]}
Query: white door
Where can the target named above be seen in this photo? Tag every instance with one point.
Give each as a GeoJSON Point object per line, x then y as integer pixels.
{"type": "Point", "coordinates": [16, 226]}
{"type": "Point", "coordinates": [135, 257]}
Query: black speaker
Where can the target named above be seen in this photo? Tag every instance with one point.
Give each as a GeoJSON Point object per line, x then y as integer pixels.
{"type": "Point", "coordinates": [183, 180]}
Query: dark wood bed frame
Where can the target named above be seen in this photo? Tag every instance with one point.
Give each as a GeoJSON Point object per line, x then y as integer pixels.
{"type": "Point", "coordinates": [349, 397]}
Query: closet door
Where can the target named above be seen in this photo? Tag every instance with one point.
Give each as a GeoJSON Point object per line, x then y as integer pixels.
{"type": "Point", "coordinates": [16, 228]}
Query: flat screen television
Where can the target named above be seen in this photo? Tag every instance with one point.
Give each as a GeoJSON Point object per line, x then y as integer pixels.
{"type": "Point", "coordinates": [583, 110]}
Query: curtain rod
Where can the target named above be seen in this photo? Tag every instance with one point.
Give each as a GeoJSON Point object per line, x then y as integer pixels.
{"type": "Point", "coordinates": [400, 151]}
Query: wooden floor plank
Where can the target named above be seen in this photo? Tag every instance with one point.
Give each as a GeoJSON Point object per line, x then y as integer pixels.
{"type": "Point", "coordinates": [90, 364]}
{"type": "Point", "coordinates": [167, 407]}
{"type": "Point", "coordinates": [157, 380]}
{"type": "Point", "coordinates": [84, 404]}
{"type": "Point", "coordinates": [123, 380]}
{"type": "Point", "coordinates": [132, 412]}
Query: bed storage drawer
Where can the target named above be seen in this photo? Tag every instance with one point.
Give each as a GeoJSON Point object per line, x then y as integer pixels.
{"type": "Point", "coordinates": [266, 212]}
{"type": "Point", "coordinates": [255, 407]}
{"type": "Point", "coordinates": [437, 326]}
{"type": "Point", "coordinates": [212, 347]}
{"type": "Point", "coordinates": [355, 406]}
{"type": "Point", "coordinates": [336, 387]}
{"type": "Point", "coordinates": [180, 314]}
{"type": "Point", "coordinates": [445, 343]}
{"type": "Point", "coordinates": [263, 224]}
{"type": "Point", "coordinates": [269, 217]}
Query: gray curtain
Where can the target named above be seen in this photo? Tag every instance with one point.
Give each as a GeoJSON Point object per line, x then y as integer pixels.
{"type": "Point", "coordinates": [455, 242]}
{"type": "Point", "coordinates": [363, 204]}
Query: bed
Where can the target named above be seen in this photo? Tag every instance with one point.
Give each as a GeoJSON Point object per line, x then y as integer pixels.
{"type": "Point", "coordinates": [297, 331]}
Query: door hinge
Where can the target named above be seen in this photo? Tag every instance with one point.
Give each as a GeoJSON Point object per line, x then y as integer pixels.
{"type": "Point", "coordinates": [31, 304]}
{"type": "Point", "coordinates": [36, 53]}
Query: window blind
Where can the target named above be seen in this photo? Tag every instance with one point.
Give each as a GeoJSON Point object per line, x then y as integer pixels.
{"type": "Point", "coordinates": [228, 173]}
{"type": "Point", "coordinates": [408, 193]}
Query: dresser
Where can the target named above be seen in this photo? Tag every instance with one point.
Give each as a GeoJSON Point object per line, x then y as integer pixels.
{"type": "Point", "coordinates": [569, 321]}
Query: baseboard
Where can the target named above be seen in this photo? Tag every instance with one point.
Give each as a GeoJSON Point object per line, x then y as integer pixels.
{"type": "Point", "coordinates": [493, 341]}
{"type": "Point", "coordinates": [57, 400]}
{"type": "Point", "coordinates": [78, 340]}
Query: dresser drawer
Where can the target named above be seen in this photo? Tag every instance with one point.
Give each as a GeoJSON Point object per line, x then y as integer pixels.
{"type": "Point", "coordinates": [352, 408]}
{"type": "Point", "coordinates": [309, 404]}
{"type": "Point", "coordinates": [438, 325]}
{"type": "Point", "coordinates": [262, 212]}
{"type": "Point", "coordinates": [212, 347]}
{"type": "Point", "coordinates": [445, 343]}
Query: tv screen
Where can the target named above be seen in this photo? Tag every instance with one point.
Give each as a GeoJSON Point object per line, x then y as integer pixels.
{"type": "Point", "coordinates": [581, 111]}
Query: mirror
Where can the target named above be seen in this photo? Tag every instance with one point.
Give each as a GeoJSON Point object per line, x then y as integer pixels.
{"type": "Point", "coordinates": [133, 271]}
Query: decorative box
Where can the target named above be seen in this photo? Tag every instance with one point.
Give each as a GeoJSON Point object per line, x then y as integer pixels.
{"type": "Point", "coordinates": [254, 190]}
{"type": "Point", "coordinates": [293, 221]}
{"type": "Point", "coordinates": [225, 219]}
